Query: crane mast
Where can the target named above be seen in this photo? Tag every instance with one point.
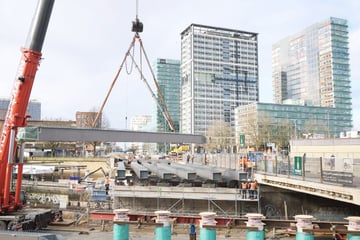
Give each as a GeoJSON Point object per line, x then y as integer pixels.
{"type": "Point", "coordinates": [16, 115]}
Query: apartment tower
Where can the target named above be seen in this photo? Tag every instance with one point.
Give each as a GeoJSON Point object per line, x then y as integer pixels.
{"type": "Point", "coordinates": [219, 72]}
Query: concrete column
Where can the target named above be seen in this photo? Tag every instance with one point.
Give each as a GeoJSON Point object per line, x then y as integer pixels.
{"type": "Point", "coordinates": [163, 232]}
{"type": "Point", "coordinates": [254, 220]}
{"type": "Point", "coordinates": [207, 219]}
{"type": "Point", "coordinates": [304, 222]}
{"type": "Point", "coordinates": [354, 225]}
{"type": "Point", "coordinates": [121, 226]}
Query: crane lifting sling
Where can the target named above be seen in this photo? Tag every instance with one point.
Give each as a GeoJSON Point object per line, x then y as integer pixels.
{"type": "Point", "coordinates": [137, 27]}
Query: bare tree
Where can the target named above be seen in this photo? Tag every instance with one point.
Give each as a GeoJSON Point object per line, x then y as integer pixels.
{"type": "Point", "coordinates": [282, 133]}
{"type": "Point", "coordinates": [314, 126]}
{"type": "Point", "coordinates": [219, 136]}
{"type": "Point", "coordinates": [88, 121]}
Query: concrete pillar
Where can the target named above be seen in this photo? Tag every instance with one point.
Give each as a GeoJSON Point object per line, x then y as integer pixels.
{"type": "Point", "coordinates": [163, 232]}
{"type": "Point", "coordinates": [207, 218]}
{"type": "Point", "coordinates": [254, 220]}
{"type": "Point", "coordinates": [304, 222]}
{"type": "Point", "coordinates": [354, 225]}
{"type": "Point", "coordinates": [121, 226]}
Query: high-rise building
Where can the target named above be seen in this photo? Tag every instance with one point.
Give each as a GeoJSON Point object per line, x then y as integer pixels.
{"type": "Point", "coordinates": [33, 109]}
{"type": "Point", "coordinates": [219, 71]}
{"type": "Point", "coordinates": [312, 67]}
{"type": "Point", "coordinates": [138, 122]}
{"type": "Point", "coordinates": [311, 86]}
{"type": "Point", "coordinates": [87, 120]}
{"type": "Point", "coordinates": [142, 123]}
{"type": "Point", "coordinates": [167, 72]}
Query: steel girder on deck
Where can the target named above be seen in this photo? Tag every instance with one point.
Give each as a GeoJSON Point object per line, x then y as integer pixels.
{"type": "Point", "coordinates": [110, 135]}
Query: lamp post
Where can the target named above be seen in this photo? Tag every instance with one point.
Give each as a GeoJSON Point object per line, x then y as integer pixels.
{"type": "Point", "coordinates": [295, 129]}
{"type": "Point", "coordinates": [328, 124]}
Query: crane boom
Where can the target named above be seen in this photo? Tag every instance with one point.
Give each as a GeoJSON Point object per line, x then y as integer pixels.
{"type": "Point", "coordinates": [16, 115]}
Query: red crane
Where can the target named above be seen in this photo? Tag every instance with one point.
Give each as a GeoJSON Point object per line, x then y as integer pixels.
{"type": "Point", "coordinates": [16, 115]}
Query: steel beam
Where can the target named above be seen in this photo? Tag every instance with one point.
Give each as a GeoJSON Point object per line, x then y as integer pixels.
{"type": "Point", "coordinates": [110, 135]}
{"type": "Point", "coordinates": [140, 171]}
{"type": "Point", "coordinates": [183, 173]}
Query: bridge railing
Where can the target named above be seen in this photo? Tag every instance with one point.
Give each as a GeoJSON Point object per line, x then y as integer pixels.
{"type": "Point", "coordinates": [336, 168]}
{"type": "Point", "coordinates": [314, 167]}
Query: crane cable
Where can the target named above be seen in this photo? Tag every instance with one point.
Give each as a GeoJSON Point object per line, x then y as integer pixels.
{"type": "Point", "coordinates": [113, 83]}
{"type": "Point", "coordinates": [138, 27]}
{"type": "Point", "coordinates": [161, 104]}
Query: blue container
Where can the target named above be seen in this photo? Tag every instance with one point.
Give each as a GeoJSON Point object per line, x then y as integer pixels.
{"type": "Point", "coordinates": [121, 232]}
{"type": "Point", "coordinates": [255, 235]}
{"type": "Point", "coordinates": [162, 233]}
{"type": "Point", "coordinates": [99, 195]}
{"type": "Point", "coordinates": [207, 234]}
{"type": "Point", "coordinates": [304, 236]}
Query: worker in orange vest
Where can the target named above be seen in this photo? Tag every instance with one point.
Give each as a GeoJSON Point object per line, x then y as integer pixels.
{"type": "Point", "coordinates": [244, 187]}
{"type": "Point", "coordinates": [243, 163]}
{"type": "Point", "coordinates": [253, 189]}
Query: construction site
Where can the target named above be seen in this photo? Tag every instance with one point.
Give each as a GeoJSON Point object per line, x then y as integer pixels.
{"type": "Point", "coordinates": [181, 195]}
{"type": "Point", "coordinates": [185, 191]}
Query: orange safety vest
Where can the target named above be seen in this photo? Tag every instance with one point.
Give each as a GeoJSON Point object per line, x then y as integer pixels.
{"type": "Point", "coordinates": [244, 185]}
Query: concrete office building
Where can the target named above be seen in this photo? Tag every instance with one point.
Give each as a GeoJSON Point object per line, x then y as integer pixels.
{"type": "Point", "coordinates": [312, 68]}
{"type": "Point", "coordinates": [219, 71]}
{"type": "Point", "coordinates": [167, 72]}
{"type": "Point", "coordinates": [33, 109]}
{"type": "Point", "coordinates": [142, 123]}
{"type": "Point", "coordinates": [138, 122]}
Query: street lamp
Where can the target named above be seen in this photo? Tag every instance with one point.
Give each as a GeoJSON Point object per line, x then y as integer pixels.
{"type": "Point", "coordinates": [328, 124]}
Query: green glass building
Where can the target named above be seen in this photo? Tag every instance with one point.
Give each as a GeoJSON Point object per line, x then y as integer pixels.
{"type": "Point", "coordinates": [167, 72]}
{"type": "Point", "coordinates": [312, 68]}
{"type": "Point", "coordinates": [311, 88]}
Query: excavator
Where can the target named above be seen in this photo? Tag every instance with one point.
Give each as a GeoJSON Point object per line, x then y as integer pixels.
{"type": "Point", "coordinates": [11, 201]}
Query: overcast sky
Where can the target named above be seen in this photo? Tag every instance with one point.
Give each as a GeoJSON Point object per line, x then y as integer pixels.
{"type": "Point", "coordinates": [87, 40]}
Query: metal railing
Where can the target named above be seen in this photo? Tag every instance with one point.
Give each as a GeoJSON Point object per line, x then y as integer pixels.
{"type": "Point", "coordinates": [319, 167]}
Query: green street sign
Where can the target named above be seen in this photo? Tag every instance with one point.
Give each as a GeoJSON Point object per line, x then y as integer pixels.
{"type": "Point", "coordinates": [242, 140]}
{"type": "Point", "coordinates": [298, 165]}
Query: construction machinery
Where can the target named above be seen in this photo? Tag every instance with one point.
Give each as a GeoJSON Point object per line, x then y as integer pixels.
{"type": "Point", "coordinates": [12, 214]}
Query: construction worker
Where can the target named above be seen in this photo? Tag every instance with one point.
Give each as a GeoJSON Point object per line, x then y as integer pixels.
{"type": "Point", "coordinates": [107, 184]}
{"type": "Point", "coordinates": [249, 168]}
{"type": "Point", "coordinates": [244, 187]}
{"type": "Point", "coordinates": [253, 189]}
{"type": "Point", "coordinates": [241, 163]}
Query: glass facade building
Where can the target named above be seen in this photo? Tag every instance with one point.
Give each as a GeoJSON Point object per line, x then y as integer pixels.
{"type": "Point", "coordinates": [33, 109]}
{"type": "Point", "coordinates": [219, 72]}
{"type": "Point", "coordinates": [301, 121]}
{"type": "Point", "coordinates": [312, 68]}
{"type": "Point", "coordinates": [167, 72]}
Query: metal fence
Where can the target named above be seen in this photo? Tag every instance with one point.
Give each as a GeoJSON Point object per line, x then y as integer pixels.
{"type": "Point", "coordinates": [317, 167]}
